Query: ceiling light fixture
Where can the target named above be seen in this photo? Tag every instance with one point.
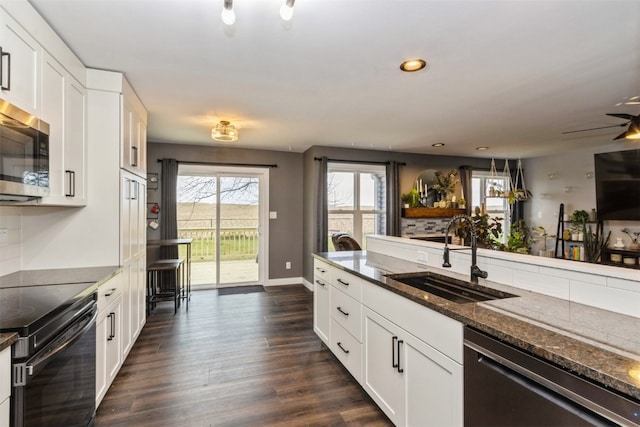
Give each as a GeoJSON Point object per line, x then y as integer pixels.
{"type": "Point", "coordinates": [482, 148]}
{"type": "Point", "coordinates": [225, 132]}
{"type": "Point", "coordinates": [286, 11]}
{"type": "Point", "coordinates": [438, 144]}
{"type": "Point", "coordinates": [412, 65]}
{"type": "Point", "coordinates": [228, 17]}
{"type": "Point", "coordinates": [634, 129]}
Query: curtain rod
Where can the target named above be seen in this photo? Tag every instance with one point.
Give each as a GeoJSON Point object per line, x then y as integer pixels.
{"type": "Point", "coordinates": [255, 165]}
{"type": "Point", "coordinates": [364, 162]}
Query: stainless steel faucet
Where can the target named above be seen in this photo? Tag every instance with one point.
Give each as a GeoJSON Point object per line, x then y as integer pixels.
{"type": "Point", "coordinates": [475, 270]}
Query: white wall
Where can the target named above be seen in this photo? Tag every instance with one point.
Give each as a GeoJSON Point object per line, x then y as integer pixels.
{"type": "Point", "coordinates": [569, 171]}
{"type": "Point", "coordinates": [10, 239]}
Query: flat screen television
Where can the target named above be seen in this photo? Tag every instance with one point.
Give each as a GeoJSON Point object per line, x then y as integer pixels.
{"type": "Point", "coordinates": [618, 185]}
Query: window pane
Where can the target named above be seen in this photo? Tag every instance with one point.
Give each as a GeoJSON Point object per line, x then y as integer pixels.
{"type": "Point", "coordinates": [339, 222]}
{"type": "Point", "coordinates": [340, 190]}
{"type": "Point", "coordinates": [372, 191]}
{"type": "Point", "coordinates": [371, 224]}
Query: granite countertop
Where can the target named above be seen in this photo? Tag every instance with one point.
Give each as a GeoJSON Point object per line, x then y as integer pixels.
{"type": "Point", "coordinates": [58, 276]}
{"type": "Point", "coordinates": [600, 345]}
{"type": "Point", "coordinates": [7, 339]}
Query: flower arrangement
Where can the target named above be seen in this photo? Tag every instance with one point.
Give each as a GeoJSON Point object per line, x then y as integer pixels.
{"type": "Point", "coordinates": [634, 238]}
{"type": "Point", "coordinates": [445, 183]}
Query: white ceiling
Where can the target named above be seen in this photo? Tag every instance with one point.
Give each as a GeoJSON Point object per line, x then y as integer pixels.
{"type": "Point", "coordinates": [511, 75]}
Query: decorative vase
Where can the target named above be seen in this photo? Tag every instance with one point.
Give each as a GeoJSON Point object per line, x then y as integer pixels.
{"type": "Point", "coordinates": [618, 244]}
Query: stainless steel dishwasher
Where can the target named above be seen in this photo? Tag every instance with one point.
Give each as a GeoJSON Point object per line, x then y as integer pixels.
{"type": "Point", "coordinates": [505, 386]}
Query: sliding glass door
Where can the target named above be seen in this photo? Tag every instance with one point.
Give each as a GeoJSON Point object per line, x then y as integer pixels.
{"type": "Point", "coordinates": [223, 210]}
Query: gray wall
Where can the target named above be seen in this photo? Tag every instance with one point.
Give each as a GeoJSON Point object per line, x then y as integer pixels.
{"type": "Point", "coordinates": [285, 195]}
{"type": "Point", "coordinates": [415, 163]}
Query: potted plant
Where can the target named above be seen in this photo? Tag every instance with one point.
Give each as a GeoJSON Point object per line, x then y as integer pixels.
{"type": "Point", "coordinates": [593, 244]}
{"type": "Point", "coordinates": [518, 240]}
{"type": "Point", "coordinates": [411, 199]}
{"type": "Point", "coordinates": [539, 233]}
{"type": "Point", "coordinates": [578, 219]}
{"type": "Point", "coordinates": [462, 203]}
{"type": "Point", "coordinates": [635, 245]}
{"type": "Point", "coordinates": [445, 183]}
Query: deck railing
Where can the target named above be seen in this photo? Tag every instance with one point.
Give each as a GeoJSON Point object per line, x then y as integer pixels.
{"type": "Point", "coordinates": [235, 243]}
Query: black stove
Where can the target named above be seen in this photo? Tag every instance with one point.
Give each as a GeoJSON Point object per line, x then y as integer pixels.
{"type": "Point", "coordinates": [37, 312]}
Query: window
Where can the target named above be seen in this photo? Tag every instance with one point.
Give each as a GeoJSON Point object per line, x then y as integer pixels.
{"type": "Point", "coordinates": [486, 191]}
{"type": "Point", "coordinates": [356, 200]}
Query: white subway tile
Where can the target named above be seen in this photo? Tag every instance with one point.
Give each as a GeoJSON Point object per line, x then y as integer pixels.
{"type": "Point", "coordinates": [574, 275]}
{"type": "Point", "coordinates": [628, 285]}
{"type": "Point", "coordinates": [607, 298]}
{"type": "Point", "coordinates": [555, 287]}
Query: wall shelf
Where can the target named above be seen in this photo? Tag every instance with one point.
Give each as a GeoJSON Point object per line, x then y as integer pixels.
{"type": "Point", "coordinates": [634, 255]}
{"type": "Point", "coordinates": [431, 212]}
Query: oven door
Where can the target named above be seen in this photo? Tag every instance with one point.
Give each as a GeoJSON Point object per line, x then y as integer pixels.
{"type": "Point", "coordinates": [56, 387]}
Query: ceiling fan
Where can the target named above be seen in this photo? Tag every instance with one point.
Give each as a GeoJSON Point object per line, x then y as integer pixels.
{"type": "Point", "coordinates": [633, 132]}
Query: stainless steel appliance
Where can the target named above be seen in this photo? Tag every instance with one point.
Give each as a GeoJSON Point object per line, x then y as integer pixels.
{"type": "Point", "coordinates": [24, 154]}
{"type": "Point", "coordinates": [54, 359]}
{"type": "Point", "coordinates": [505, 386]}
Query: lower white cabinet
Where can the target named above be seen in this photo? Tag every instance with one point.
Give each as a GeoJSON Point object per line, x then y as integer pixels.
{"type": "Point", "coordinates": [407, 357]}
{"type": "Point", "coordinates": [5, 386]}
{"type": "Point", "coordinates": [411, 382]}
{"type": "Point", "coordinates": [108, 334]}
{"type": "Point", "coordinates": [321, 316]}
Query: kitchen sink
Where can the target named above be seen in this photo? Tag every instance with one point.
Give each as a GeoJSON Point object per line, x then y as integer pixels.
{"type": "Point", "coordinates": [458, 291]}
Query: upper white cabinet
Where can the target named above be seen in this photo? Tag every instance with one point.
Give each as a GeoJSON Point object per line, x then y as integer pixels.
{"type": "Point", "coordinates": [20, 71]}
{"type": "Point", "coordinates": [64, 108]}
{"type": "Point", "coordinates": [134, 136]}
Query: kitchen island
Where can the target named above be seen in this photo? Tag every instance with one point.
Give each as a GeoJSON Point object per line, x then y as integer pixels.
{"type": "Point", "coordinates": [597, 344]}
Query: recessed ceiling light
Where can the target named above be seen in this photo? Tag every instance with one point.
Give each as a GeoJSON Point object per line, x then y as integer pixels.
{"type": "Point", "coordinates": [411, 65]}
{"type": "Point", "coordinates": [438, 144]}
{"type": "Point", "coordinates": [482, 148]}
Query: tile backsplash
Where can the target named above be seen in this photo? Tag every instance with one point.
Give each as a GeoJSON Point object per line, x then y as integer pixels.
{"type": "Point", "coordinates": [10, 239]}
{"type": "Point", "coordinates": [423, 226]}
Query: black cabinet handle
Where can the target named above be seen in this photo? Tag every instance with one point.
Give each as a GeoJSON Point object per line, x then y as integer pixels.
{"type": "Point", "coordinates": [319, 283]}
{"type": "Point", "coordinates": [399, 368]}
{"type": "Point", "coordinates": [134, 151]}
{"type": "Point", "coordinates": [393, 352]}
{"type": "Point", "coordinates": [2, 55]}
{"type": "Point", "coordinates": [342, 311]}
{"type": "Point", "coordinates": [321, 270]}
{"type": "Point", "coordinates": [342, 348]}
{"type": "Point", "coordinates": [110, 292]}
{"type": "Point", "coordinates": [112, 321]}
{"type": "Point", "coordinates": [343, 282]}
{"type": "Point", "coordinates": [134, 193]}
{"type": "Point", "coordinates": [72, 183]}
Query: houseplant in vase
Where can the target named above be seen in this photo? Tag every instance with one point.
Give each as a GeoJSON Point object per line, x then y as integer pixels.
{"type": "Point", "coordinates": [444, 184]}
{"type": "Point", "coordinates": [578, 220]}
{"type": "Point", "coordinates": [634, 245]}
{"type": "Point", "coordinates": [539, 233]}
{"type": "Point", "coordinates": [411, 199]}
{"type": "Point", "coordinates": [593, 244]}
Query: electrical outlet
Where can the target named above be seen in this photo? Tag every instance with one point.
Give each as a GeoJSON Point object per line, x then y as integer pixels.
{"type": "Point", "coordinates": [4, 236]}
{"type": "Point", "coordinates": [423, 257]}
{"type": "Point", "coordinates": [287, 265]}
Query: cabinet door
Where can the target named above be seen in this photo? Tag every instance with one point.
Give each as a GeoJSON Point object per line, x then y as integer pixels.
{"type": "Point", "coordinates": [126, 158]}
{"type": "Point", "coordinates": [321, 316]}
{"type": "Point", "coordinates": [102, 328]}
{"type": "Point", "coordinates": [433, 385]}
{"type": "Point", "coordinates": [127, 303]}
{"type": "Point", "coordinates": [114, 340]}
{"type": "Point", "coordinates": [382, 377]}
{"type": "Point", "coordinates": [126, 188]}
{"type": "Point", "coordinates": [75, 144]}
{"type": "Point", "coordinates": [21, 67]}
{"type": "Point", "coordinates": [53, 92]}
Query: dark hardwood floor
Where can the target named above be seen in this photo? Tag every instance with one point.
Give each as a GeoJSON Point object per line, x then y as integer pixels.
{"type": "Point", "coordinates": [237, 360]}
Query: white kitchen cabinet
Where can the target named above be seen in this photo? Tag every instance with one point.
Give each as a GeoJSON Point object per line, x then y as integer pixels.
{"type": "Point", "coordinates": [132, 216]}
{"type": "Point", "coordinates": [411, 382]}
{"type": "Point", "coordinates": [5, 386]}
{"type": "Point", "coordinates": [134, 137]}
{"type": "Point", "coordinates": [21, 59]}
{"type": "Point", "coordinates": [63, 107]}
{"type": "Point", "coordinates": [321, 307]}
{"type": "Point", "coordinates": [108, 334]}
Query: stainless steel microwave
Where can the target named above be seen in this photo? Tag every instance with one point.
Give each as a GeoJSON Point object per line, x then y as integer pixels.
{"type": "Point", "coordinates": [24, 155]}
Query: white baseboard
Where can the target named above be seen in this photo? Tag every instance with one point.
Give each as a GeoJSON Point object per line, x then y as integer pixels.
{"type": "Point", "coordinates": [307, 284]}
{"type": "Point", "coordinates": [284, 281]}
